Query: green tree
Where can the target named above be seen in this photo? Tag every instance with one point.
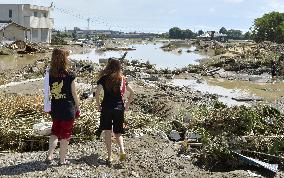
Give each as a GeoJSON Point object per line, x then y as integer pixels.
{"type": "Point", "coordinates": [75, 35]}
{"type": "Point", "coordinates": [188, 34]}
{"type": "Point", "coordinates": [200, 32]}
{"type": "Point", "coordinates": [235, 34]}
{"type": "Point", "coordinates": [269, 27]}
{"type": "Point", "coordinates": [58, 40]}
{"type": "Point", "coordinates": [247, 36]}
{"type": "Point", "coordinates": [223, 30]}
{"type": "Point", "coordinates": [175, 33]}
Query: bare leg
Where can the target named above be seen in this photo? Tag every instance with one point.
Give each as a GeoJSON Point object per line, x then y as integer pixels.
{"type": "Point", "coordinates": [63, 149]}
{"type": "Point", "coordinates": [108, 142]}
{"type": "Point", "coordinates": [53, 140]}
{"type": "Point", "coordinates": [119, 140]}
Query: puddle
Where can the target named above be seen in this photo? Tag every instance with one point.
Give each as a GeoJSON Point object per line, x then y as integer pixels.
{"type": "Point", "coordinates": [15, 62]}
{"type": "Point", "coordinates": [148, 52]}
{"type": "Point", "coordinates": [225, 95]}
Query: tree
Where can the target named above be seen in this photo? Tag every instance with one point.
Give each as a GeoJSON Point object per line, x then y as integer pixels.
{"type": "Point", "coordinates": [75, 35]}
{"type": "Point", "coordinates": [269, 27]}
{"type": "Point", "coordinates": [188, 34]}
{"type": "Point", "coordinates": [58, 39]}
{"type": "Point", "coordinates": [175, 33]}
{"type": "Point", "coordinates": [223, 30]}
{"type": "Point", "coordinates": [200, 32]}
{"type": "Point", "coordinates": [247, 36]}
{"type": "Point", "coordinates": [235, 34]}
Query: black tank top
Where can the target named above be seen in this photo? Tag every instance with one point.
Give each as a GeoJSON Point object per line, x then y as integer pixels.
{"type": "Point", "coordinates": [62, 101]}
{"type": "Point", "coordinates": [111, 100]}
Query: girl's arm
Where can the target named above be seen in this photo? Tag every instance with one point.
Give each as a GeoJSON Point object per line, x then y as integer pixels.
{"type": "Point", "coordinates": [130, 98]}
{"type": "Point", "coordinates": [75, 95]}
{"type": "Point", "coordinates": [97, 96]}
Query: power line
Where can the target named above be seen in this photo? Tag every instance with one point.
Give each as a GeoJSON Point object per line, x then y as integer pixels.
{"type": "Point", "coordinates": [95, 20]}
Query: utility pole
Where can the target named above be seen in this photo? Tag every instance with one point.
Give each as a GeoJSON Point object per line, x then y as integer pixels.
{"type": "Point", "coordinates": [88, 30]}
{"type": "Point", "coordinates": [88, 20]}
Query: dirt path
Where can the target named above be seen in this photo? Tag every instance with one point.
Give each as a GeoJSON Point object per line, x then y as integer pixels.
{"type": "Point", "coordinates": [148, 156]}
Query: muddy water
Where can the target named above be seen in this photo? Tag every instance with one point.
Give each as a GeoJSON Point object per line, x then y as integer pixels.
{"type": "Point", "coordinates": [228, 89]}
{"type": "Point", "coordinates": [15, 61]}
{"type": "Point", "coordinates": [225, 95]}
{"type": "Point", "coordinates": [149, 52]}
{"type": "Point", "coordinates": [267, 91]}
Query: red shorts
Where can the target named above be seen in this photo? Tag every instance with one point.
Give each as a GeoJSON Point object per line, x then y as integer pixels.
{"type": "Point", "coordinates": [62, 129]}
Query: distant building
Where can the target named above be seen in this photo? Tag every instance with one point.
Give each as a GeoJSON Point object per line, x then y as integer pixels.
{"type": "Point", "coordinates": [35, 18]}
{"type": "Point", "coordinates": [92, 32]}
{"type": "Point", "coordinates": [11, 31]}
{"type": "Point", "coordinates": [212, 35]}
{"type": "Point", "coordinates": [112, 33]}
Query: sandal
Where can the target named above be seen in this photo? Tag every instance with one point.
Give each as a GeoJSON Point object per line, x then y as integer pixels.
{"type": "Point", "coordinates": [66, 162]}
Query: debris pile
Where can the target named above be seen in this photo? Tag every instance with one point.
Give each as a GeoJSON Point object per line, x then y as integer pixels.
{"type": "Point", "coordinates": [247, 57]}
{"type": "Point", "coordinates": [224, 130]}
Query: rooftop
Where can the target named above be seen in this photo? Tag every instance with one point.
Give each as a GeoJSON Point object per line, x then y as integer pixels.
{"type": "Point", "coordinates": [5, 24]}
{"type": "Point", "coordinates": [208, 35]}
{"type": "Point", "coordinates": [35, 7]}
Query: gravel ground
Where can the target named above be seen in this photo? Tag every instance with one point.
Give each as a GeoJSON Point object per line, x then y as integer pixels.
{"type": "Point", "coordinates": [148, 156]}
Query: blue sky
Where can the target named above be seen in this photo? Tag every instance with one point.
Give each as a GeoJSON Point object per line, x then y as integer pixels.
{"type": "Point", "coordinates": [157, 15]}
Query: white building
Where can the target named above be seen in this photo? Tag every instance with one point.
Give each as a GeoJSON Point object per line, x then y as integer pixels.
{"type": "Point", "coordinates": [36, 18]}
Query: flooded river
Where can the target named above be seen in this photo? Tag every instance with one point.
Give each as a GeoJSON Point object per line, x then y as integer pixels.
{"type": "Point", "coordinates": [149, 52]}
{"type": "Point", "coordinates": [225, 89]}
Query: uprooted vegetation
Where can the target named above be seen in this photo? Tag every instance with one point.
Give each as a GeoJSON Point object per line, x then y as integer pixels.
{"type": "Point", "coordinates": [247, 57]}
{"type": "Point", "coordinates": [19, 113]}
{"type": "Point", "coordinates": [222, 129]}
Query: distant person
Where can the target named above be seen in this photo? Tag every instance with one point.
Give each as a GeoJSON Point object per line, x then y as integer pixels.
{"type": "Point", "coordinates": [112, 106]}
{"type": "Point", "coordinates": [64, 104]}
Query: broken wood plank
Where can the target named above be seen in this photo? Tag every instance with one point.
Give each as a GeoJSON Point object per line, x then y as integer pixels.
{"type": "Point", "coordinates": [251, 161]}
{"type": "Point", "coordinates": [195, 144]}
{"type": "Point", "coordinates": [274, 157]}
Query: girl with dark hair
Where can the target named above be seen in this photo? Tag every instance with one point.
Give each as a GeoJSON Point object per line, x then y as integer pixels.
{"type": "Point", "coordinates": [113, 106]}
{"type": "Point", "coordinates": [64, 103]}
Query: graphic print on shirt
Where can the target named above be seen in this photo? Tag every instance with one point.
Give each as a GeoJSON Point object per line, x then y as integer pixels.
{"type": "Point", "coordinates": [56, 91]}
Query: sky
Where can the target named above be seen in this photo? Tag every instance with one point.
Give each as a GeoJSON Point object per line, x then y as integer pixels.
{"type": "Point", "coordinates": [156, 15]}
